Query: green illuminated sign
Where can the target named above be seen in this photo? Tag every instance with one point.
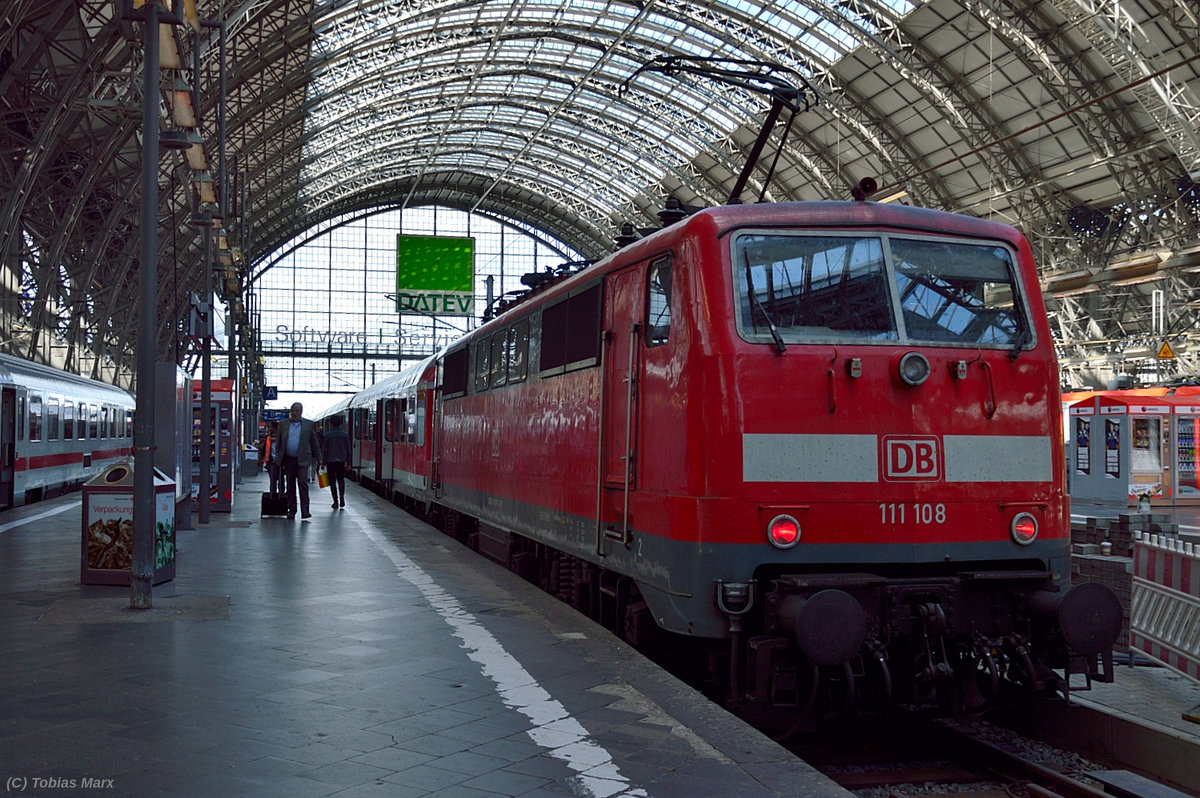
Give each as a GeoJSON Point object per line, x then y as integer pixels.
{"type": "Point", "coordinates": [435, 275]}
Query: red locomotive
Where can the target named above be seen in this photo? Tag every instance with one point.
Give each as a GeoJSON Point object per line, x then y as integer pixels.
{"type": "Point", "coordinates": [813, 448]}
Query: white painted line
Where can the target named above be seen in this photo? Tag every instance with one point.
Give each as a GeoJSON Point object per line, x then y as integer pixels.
{"type": "Point", "coordinates": [554, 729]}
{"type": "Point", "coordinates": [23, 521]}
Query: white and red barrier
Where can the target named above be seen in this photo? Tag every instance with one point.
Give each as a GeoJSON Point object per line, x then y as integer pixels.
{"type": "Point", "coordinates": [1165, 605]}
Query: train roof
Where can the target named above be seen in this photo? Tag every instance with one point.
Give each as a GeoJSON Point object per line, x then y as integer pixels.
{"type": "Point", "coordinates": [398, 383]}
{"type": "Point", "coordinates": [39, 377]}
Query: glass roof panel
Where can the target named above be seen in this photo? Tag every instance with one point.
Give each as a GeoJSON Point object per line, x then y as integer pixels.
{"type": "Point", "coordinates": [541, 86]}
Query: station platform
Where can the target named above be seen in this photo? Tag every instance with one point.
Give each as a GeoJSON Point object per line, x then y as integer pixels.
{"type": "Point", "coordinates": [356, 653]}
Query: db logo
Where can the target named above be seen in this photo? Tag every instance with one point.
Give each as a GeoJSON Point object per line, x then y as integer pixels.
{"type": "Point", "coordinates": [911, 458]}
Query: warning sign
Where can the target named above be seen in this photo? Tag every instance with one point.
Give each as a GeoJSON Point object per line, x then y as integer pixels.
{"type": "Point", "coordinates": [1165, 352]}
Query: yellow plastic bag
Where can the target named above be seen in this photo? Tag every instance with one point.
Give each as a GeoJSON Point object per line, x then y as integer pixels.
{"type": "Point", "coordinates": [323, 477]}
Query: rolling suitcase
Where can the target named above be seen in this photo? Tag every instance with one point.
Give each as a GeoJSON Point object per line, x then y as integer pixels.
{"type": "Point", "coordinates": [274, 504]}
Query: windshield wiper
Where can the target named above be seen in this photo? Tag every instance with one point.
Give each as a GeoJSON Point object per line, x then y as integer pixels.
{"type": "Point", "coordinates": [779, 346]}
{"type": "Point", "coordinates": [1022, 339]}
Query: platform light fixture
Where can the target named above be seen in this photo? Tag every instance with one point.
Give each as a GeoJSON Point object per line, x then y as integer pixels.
{"type": "Point", "coordinates": [183, 105]}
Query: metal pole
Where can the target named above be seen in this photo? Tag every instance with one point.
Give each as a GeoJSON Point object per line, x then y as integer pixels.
{"type": "Point", "coordinates": [206, 431]}
{"type": "Point", "coordinates": [207, 445]}
{"type": "Point", "coordinates": [142, 566]}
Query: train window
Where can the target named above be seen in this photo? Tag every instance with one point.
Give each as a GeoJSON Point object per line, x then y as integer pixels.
{"type": "Point", "coordinates": [516, 351]}
{"type": "Point", "coordinates": [658, 302]}
{"type": "Point", "coordinates": [21, 417]}
{"type": "Point", "coordinates": [454, 373]}
{"type": "Point", "coordinates": [483, 353]}
{"type": "Point", "coordinates": [68, 417]}
{"type": "Point", "coordinates": [128, 423]}
{"type": "Point", "coordinates": [360, 423]}
{"type": "Point", "coordinates": [93, 422]}
{"type": "Point", "coordinates": [35, 417]}
{"type": "Point", "coordinates": [958, 292]}
{"type": "Point", "coordinates": [803, 287]}
{"type": "Point", "coordinates": [391, 410]}
{"type": "Point", "coordinates": [420, 419]}
{"type": "Point", "coordinates": [372, 425]}
{"type": "Point", "coordinates": [498, 372]}
{"type": "Point", "coordinates": [104, 421]}
{"type": "Point", "coordinates": [52, 418]}
{"type": "Point", "coordinates": [410, 419]}
{"type": "Point", "coordinates": [571, 332]}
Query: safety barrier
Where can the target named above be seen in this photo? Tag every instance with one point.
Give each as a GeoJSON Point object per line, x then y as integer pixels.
{"type": "Point", "coordinates": [1165, 605]}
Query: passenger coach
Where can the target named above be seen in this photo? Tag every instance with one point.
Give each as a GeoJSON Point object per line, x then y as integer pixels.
{"type": "Point", "coordinates": [57, 430]}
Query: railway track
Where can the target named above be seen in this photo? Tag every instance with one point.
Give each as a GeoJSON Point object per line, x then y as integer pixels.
{"type": "Point", "coordinates": [918, 756]}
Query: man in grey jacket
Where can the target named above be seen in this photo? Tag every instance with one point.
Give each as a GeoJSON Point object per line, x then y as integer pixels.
{"type": "Point", "coordinates": [300, 447]}
{"type": "Point", "coordinates": [337, 453]}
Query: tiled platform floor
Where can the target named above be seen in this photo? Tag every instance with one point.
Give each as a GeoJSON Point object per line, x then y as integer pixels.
{"type": "Point", "coordinates": [358, 653]}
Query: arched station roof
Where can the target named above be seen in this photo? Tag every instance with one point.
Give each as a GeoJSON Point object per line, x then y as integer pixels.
{"type": "Point", "coordinates": [1076, 120]}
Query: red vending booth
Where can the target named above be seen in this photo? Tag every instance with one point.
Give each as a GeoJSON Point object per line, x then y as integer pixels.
{"type": "Point", "coordinates": [1121, 449]}
{"type": "Point", "coordinates": [223, 450]}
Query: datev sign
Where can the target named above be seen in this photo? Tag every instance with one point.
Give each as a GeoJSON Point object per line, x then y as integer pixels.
{"type": "Point", "coordinates": [435, 275]}
{"type": "Point", "coordinates": [911, 457]}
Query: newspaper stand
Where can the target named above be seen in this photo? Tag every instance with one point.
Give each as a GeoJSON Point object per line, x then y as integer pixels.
{"type": "Point", "coordinates": [106, 555]}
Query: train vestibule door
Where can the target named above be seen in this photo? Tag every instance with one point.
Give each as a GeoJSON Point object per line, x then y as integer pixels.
{"type": "Point", "coordinates": [8, 445]}
{"type": "Point", "coordinates": [620, 352]}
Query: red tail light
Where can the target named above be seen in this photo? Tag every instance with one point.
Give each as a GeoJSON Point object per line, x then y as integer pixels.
{"type": "Point", "coordinates": [1024, 528]}
{"type": "Point", "coordinates": [783, 532]}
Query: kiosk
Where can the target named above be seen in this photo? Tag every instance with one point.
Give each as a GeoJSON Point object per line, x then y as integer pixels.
{"type": "Point", "coordinates": [221, 454]}
{"type": "Point", "coordinates": [1121, 449]}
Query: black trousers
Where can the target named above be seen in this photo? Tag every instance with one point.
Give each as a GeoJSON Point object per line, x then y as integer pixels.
{"type": "Point", "coordinates": [337, 481]}
{"type": "Point", "coordinates": [297, 478]}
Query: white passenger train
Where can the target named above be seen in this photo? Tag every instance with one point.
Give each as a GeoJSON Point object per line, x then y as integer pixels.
{"type": "Point", "coordinates": [56, 430]}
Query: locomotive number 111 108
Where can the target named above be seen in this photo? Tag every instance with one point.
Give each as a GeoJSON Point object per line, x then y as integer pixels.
{"type": "Point", "coordinates": [915, 513]}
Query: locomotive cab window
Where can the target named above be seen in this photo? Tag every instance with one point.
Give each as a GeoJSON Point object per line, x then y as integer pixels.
{"type": "Point", "coordinates": [658, 302]}
{"type": "Point", "coordinates": [799, 288]}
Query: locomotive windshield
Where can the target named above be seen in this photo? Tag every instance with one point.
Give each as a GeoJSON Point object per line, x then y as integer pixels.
{"type": "Point", "coordinates": [876, 288]}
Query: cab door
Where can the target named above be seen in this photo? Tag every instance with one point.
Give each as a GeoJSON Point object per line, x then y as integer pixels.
{"type": "Point", "coordinates": [621, 366]}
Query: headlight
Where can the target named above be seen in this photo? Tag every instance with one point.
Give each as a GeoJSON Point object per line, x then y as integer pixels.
{"type": "Point", "coordinates": [913, 368]}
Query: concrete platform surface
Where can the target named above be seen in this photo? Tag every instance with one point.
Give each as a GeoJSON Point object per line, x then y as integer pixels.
{"type": "Point", "coordinates": [358, 653]}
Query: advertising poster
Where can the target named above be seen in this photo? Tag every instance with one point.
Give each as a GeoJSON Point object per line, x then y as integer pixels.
{"type": "Point", "coordinates": [1112, 448]}
{"type": "Point", "coordinates": [1083, 441]}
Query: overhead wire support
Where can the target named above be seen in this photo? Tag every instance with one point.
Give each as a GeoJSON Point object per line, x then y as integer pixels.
{"type": "Point", "coordinates": [786, 87]}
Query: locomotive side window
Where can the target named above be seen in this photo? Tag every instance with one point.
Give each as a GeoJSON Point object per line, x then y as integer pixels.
{"type": "Point", "coordinates": [794, 288]}
{"type": "Point", "coordinates": [957, 292]}
{"type": "Point", "coordinates": [483, 353]}
{"type": "Point", "coordinates": [571, 332]}
{"type": "Point", "coordinates": [498, 371]}
{"type": "Point", "coordinates": [52, 418]}
{"type": "Point", "coordinates": [454, 373]}
{"type": "Point", "coordinates": [35, 417]}
{"type": "Point", "coordinates": [658, 302]}
{"type": "Point", "coordinates": [517, 351]}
